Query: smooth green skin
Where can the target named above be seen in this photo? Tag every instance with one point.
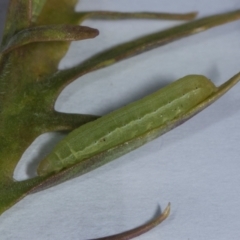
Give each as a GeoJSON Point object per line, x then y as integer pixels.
{"type": "Point", "coordinates": [28, 90]}
{"type": "Point", "coordinates": [130, 122]}
{"type": "Point", "coordinates": [109, 154]}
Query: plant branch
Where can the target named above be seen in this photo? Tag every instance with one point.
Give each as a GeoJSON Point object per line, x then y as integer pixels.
{"type": "Point", "coordinates": [132, 48]}
{"type": "Point", "coordinates": [109, 15]}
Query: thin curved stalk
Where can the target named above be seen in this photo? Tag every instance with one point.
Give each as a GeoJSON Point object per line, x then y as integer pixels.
{"type": "Point", "coordinates": [139, 230]}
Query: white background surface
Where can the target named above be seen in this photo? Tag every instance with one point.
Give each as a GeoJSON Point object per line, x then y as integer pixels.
{"type": "Point", "coordinates": [195, 167]}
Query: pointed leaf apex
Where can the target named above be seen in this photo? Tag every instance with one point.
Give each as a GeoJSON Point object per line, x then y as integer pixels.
{"type": "Point", "coordinates": [50, 33]}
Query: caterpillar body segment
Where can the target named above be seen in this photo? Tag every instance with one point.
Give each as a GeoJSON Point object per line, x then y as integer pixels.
{"type": "Point", "coordinates": [129, 122]}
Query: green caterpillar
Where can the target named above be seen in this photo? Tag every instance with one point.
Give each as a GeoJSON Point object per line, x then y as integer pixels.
{"type": "Point", "coordinates": [129, 122]}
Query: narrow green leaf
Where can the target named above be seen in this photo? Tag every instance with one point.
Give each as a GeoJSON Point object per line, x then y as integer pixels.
{"type": "Point", "coordinates": [132, 48]}
{"type": "Point", "coordinates": [49, 33]}
{"type": "Point", "coordinates": [135, 15]}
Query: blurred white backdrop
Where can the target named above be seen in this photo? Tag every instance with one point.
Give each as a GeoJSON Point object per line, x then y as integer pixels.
{"type": "Point", "coordinates": [195, 167]}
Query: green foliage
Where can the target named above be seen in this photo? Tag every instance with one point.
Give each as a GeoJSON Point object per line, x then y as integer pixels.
{"type": "Point", "coordinates": [36, 31]}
